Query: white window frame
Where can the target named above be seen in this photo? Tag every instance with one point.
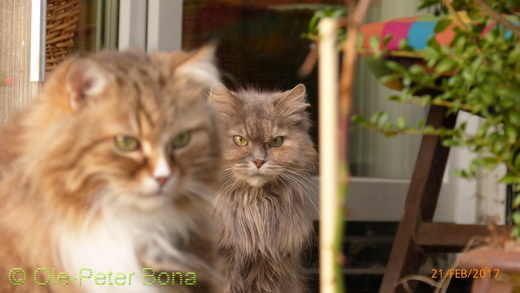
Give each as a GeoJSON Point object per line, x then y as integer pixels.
{"type": "Point", "coordinates": [150, 25]}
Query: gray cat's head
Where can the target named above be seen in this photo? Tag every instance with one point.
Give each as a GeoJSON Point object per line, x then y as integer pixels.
{"type": "Point", "coordinates": [267, 134]}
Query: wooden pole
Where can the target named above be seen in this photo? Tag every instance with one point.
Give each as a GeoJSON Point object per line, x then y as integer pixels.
{"type": "Point", "coordinates": [329, 143]}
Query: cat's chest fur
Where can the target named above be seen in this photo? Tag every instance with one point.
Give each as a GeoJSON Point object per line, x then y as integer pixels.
{"type": "Point", "coordinates": [118, 242]}
{"type": "Point", "coordinates": [260, 220]}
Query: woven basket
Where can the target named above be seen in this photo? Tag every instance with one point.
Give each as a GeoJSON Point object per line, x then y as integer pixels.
{"type": "Point", "coordinates": [62, 18]}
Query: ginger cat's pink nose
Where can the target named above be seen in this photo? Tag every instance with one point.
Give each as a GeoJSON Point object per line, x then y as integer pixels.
{"type": "Point", "coordinates": [161, 180]}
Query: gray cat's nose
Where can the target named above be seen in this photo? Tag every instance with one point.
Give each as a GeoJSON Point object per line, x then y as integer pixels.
{"type": "Point", "coordinates": [258, 163]}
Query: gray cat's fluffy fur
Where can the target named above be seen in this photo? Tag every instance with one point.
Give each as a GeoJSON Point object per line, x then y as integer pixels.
{"type": "Point", "coordinates": [265, 212]}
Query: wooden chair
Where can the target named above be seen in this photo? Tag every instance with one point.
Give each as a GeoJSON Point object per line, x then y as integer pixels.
{"type": "Point", "coordinates": [417, 233]}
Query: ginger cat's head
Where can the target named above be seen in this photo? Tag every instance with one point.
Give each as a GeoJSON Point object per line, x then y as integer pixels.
{"type": "Point", "coordinates": [127, 127]}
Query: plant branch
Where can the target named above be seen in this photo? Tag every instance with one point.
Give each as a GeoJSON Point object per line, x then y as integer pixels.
{"type": "Point", "coordinates": [487, 10]}
{"type": "Point", "coordinates": [309, 62]}
{"type": "Point", "coordinates": [455, 15]}
{"type": "Point", "coordinates": [355, 18]}
{"type": "Point", "coordinates": [413, 100]}
{"type": "Point", "coordinates": [409, 131]}
{"type": "Point", "coordinates": [408, 54]}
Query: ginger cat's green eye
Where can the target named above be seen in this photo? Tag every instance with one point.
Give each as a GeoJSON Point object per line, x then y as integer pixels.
{"type": "Point", "coordinates": [181, 140]}
{"type": "Point", "coordinates": [276, 142]}
{"type": "Point", "coordinates": [126, 143]}
{"type": "Point", "coordinates": [239, 140]}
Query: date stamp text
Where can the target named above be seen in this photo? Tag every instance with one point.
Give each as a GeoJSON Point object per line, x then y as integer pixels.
{"type": "Point", "coordinates": [465, 273]}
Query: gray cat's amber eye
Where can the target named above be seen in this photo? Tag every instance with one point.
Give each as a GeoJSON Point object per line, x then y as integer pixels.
{"type": "Point", "coordinates": [126, 143]}
{"type": "Point", "coordinates": [239, 140]}
{"type": "Point", "coordinates": [181, 140]}
{"type": "Point", "coordinates": [276, 142]}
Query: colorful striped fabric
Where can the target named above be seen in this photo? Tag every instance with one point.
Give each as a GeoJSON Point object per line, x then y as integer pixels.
{"type": "Point", "coordinates": [417, 29]}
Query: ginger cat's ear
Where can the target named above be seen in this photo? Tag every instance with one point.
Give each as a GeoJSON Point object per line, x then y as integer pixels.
{"type": "Point", "coordinates": [222, 99]}
{"type": "Point", "coordinates": [84, 78]}
{"type": "Point", "coordinates": [198, 66]}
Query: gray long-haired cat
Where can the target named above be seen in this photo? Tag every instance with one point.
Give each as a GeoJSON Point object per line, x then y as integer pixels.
{"type": "Point", "coordinates": [264, 200]}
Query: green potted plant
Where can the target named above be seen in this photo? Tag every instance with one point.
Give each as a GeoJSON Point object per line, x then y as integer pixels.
{"type": "Point", "coordinates": [477, 71]}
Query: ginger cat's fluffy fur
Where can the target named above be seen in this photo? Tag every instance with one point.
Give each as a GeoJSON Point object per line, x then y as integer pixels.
{"type": "Point", "coordinates": [111, 168]}
{"type": "Point", "coordinates": [264, 200]}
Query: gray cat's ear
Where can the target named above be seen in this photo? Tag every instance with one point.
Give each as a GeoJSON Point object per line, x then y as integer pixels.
{"type": "Point", "coordinates": [294, 100]}
{"type": "Point", "coordinates": [84, 79]}
{"type": "Point", "coordinates": [222, 99]}
{"type": "Point", "coordinates": [199, 66]}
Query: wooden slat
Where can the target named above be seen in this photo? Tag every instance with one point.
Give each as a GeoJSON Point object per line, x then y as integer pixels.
{"type": "Point", "coordinates": [450, 237]}
{"type": "Point", "coordinates": [421, 200]}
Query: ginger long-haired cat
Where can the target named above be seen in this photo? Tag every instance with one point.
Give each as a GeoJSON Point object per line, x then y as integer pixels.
{"type": "Point", "coordinates": [264, 201]}
{"type": "Point", "coordinates": [106, 177]}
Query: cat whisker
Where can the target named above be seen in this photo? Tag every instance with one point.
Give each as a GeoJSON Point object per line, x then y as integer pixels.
{"type": "Point", "coordinates": [302, 177]}
{"type": "Point", "coordinates": [293, 181]}
{"type": "Point", "coordinates": [200, 191]}
{"type": "Point", "coordinates": [226, 175]}
{"type": "Point", "coordinates": [289, 199]}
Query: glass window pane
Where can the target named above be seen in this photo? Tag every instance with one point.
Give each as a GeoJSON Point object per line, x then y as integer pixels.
{"type": "Point", "coordinates": [97, 25]}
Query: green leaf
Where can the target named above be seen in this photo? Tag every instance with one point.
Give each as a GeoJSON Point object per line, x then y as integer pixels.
{"type": "Point", "coordinates": [382, 118]}
{"type": "Point", "coordinates": [448, 142]}
{"type": "Point", "coordinates": [461, 173]}
{"type": "Point", "coordinates": [390, 133]}
{"type": "Point", "coordinates": [405, 46]}
{"type": "Point", "coordinates": [516, 201]}
{"type": "Point", "coordinates": [395, 98]}
{"type": "Point", "coordinates": [511, 134]}
{"type": "Point", "coordinates": [514, 118]}
{"type": "Point", "coordinates": [463, 125]}
{"type": "Point", "coordinates": [442, 25]}
{"type": "Point", "coordinates": [358, 119]}
{"type": "Point", "coordinates": [510, 179]}
{"type": "Point", "coordinates": [486, 162]}
{"type": "Point", "coordinates": [338, 13]}
{"type": "Point", "coordinates": [395, 66]}
{"type": "Point", "coordinates": [374, 43]}
{"type": "Point", "coordinates": [445, 66]}
{"type": "Point", "coordinates": [428, 129]}
{"type": "Point", "coordinates": [416, 69]}
{"type": "Point", "coordinates": [516, 162]}
{"type": "Point", "coordinates": [390, 77]}
{"type": "Point", "coordinates": [516, 217]}
{"type": "Point", "coordinates": [387, 40]}
{"type": "Point", "coordinates": [434, 45]}
{"type": "Point", "coordinates": [400, 122]}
